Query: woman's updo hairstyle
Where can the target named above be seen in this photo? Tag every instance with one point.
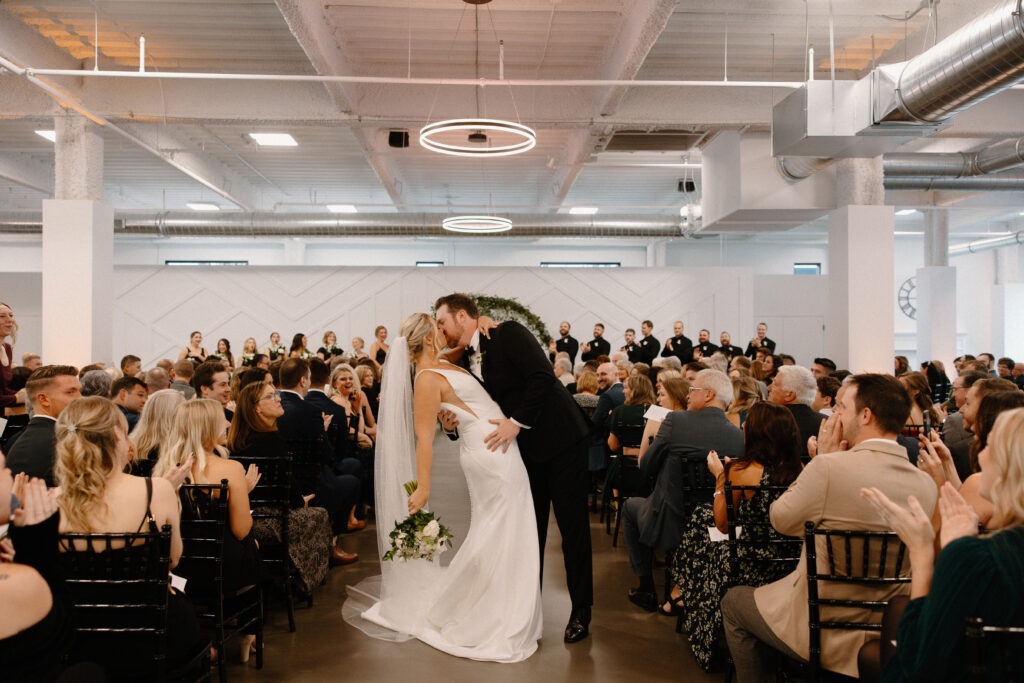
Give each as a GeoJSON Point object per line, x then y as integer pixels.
{"type": "Point", "coordinates": [416, 328]}
{"type": "Point", "coordinates": [86, 446]}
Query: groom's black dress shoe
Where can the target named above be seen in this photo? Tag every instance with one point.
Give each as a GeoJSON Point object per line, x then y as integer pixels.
{"type": "Point", "coordinates": [579, 625]}
{"type": "Point", "coordinates": [645, 600]}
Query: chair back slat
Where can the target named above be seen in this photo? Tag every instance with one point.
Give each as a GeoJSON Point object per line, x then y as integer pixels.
{"type": "Point", "coordinates": [784, 552]}
{"type": "Point", "coordinates": [994, 652]}
{"type": "Point", "coordinates": [118, 587]}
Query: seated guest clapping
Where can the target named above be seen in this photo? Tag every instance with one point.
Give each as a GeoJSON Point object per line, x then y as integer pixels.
{"type": "Point", "coordinates": [658, 521]}
{"type": "Point", "coordinates": [97, 496]}
{"type": "Point", "coordinates": [153, 429]}
{"type": "Point", "coordinates": [972, 577]}
{"type": "Point", "coordinates": [50, 389]}
{"type": "Point", "coordinates": [301, 421]}
{"type": "Point", "coordinates": [771, 456]}
{"type": "Point", "coordinates": [870, 412]}
{"type": "Point", "coordinates": [254, 433]}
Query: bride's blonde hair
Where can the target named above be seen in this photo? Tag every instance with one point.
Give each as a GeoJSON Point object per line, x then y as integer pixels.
{"type": "Point", "coordinates": [416, 328]}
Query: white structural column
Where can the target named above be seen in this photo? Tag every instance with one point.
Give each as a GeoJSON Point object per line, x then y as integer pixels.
{"type": "Point", "coordinates": [936, 293]}
{"type": "Point", "coordinates": [861, 324]}
{"type": "Point", "coordinates": [1007, 304]}
{"type": "Point", "coordinates": [78, 250]}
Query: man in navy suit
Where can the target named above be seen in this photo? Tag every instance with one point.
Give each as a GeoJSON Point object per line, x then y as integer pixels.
{"type": "Point", "coordinates": [339, 452]}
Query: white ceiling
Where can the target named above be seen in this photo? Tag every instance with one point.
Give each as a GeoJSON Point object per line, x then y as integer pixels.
{"type": "Point", "coordinates": [343, 154]}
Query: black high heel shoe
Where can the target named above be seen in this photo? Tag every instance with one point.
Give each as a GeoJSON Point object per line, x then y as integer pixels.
{"type": "Point", "coordinates": [676, 609]}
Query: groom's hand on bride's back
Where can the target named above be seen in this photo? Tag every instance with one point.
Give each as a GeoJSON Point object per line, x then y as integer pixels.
{"type": "Point", "coordinates": [449, 424]}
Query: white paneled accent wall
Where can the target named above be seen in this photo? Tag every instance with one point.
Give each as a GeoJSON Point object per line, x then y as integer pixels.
{"type": "Point", "coordinates": [155, 308]}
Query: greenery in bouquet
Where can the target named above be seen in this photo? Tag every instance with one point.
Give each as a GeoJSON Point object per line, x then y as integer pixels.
{"type": "Point", "coordinates": [419, 536]}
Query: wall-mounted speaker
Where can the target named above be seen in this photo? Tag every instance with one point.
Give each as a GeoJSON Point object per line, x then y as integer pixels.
{"type": "Point", "coordinates": [398, 138]}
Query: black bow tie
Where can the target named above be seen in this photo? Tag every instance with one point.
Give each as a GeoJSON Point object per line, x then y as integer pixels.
{"type": "Point", "coordinates": [468, 353]}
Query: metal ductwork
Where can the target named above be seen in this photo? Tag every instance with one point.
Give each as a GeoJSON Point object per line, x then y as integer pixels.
{"type": "Point", "coordinates": [180, 224]}
{"type": "Point", "coordinates": [985, 245]}
{"type": "Point", "coordinates": [798, 168]}
{"type": "Point", "coordinates": [981, 59]}
{"type": "Point", "coordinates": [999, 182]}
{"type": "Point", "coordinates": [992, 159]}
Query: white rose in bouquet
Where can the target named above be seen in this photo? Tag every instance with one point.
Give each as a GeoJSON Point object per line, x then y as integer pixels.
{"type": "Point", "coordinates": [431, 529]}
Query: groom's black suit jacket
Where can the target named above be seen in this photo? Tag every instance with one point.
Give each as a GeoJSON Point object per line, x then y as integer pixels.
{"type": "Point", "coordinates": [519, 377]}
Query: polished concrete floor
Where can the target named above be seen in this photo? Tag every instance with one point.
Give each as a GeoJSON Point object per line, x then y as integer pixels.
{"type": "Point", "coordinates": [625, 644]}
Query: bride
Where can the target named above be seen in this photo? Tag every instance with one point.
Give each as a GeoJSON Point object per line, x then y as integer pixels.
{"type": "Point", "coordinates": [485, 604]}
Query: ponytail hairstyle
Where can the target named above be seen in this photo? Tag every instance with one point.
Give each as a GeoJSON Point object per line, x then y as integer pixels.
{"type": "Point", "coordinates": [86, 437]}
{"type": "Point", "coordinates": [193, 432]}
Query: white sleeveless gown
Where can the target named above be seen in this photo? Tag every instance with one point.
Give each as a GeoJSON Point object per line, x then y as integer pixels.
{"type": "Point", "coordinates": [485, 604]}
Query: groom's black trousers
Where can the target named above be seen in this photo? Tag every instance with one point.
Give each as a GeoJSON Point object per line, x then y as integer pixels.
{"type": "Point", "coordinates": [562, 482]}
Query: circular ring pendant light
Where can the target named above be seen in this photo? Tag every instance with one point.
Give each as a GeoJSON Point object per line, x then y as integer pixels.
{"type": "Point", "coordinates": [476, 224]}
{"type": "Point", "coordinates": [523, 137]}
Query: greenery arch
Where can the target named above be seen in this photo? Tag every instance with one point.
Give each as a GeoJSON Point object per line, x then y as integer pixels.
{"type": "Point", "coordinates": [501, 309]}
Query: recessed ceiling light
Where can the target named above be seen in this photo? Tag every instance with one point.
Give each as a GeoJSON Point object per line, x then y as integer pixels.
{"type": "Point", "coordinates": [274, 139]}
{"type": "Point", "coordinates": [50, 135]}
{"type": "Point", "coordinates": [583, 210]}
{"type": "Point", "coordinates": [202, 206]}
{"type": "Point", "coordinates": [906, 212]}
{"type": "Point", "coordinates": [342, 208]}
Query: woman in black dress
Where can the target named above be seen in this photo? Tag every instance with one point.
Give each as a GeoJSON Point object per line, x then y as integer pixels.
{"type": "Point", "coordinates": [194, 351]}
{"type": "Point", "coordinates": [8, 328]}
{"type": "Point", "coordinates": [330, 349]}
{"type": "Point", "coordinates": [298, 348]}
{"type": "Point", "coordinates": [276, 349]}
{"type": "Point", "coordinates": [626, 429]}
{"type": "Point", "coordinates": [248, 356]}
{"type": "Point", "coordinates": [152, 429]}
{"type": "Point", "coordinates": [379, 349]}
{"type": "Point", "coordinates": [224, 353]}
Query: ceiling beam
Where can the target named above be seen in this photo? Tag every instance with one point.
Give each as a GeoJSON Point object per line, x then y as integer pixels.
{"type": "Point", "coordinates": [26, 172]}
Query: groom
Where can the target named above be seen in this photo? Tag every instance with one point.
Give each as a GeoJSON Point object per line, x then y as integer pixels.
{"type": "Point", "coordinates": [551, 431]}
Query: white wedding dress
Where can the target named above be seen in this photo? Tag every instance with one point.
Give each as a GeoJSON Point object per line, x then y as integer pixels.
{"type": "Point", "coordinates": [485, 604]}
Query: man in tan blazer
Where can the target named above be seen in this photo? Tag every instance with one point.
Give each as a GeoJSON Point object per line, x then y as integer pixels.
{"type": "Point", "coordinates": [858, 449]}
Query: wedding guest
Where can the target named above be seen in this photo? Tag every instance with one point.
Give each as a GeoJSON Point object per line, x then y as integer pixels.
{"type": "Point", "coordinates": [248, 356]}
{"type": "Point", "coordinates": [771, 364]}
{"type": "Point", "coordinates": [625, 432]}
{"type": "Point", "coordinates": [97, 496]}
{"type": "Point", "coordinates": [902, 365]}
{"type": "Point", "coordinates": [194, 352]}
{"type": "Point", "coordinates": [8, 328]}
{"type": "Point", "coordinates": [771, 457]}
{"type": "Point", "coordinates": [624, 368]}
{"type": "Point", "coordinates": [211, 381]}
{"type": "Point", "coordinates": [857, 449]}
{"type": "Point", "coordinates": [343, 460]}
{"type": "Point", "coordinates": [184, 371]}
{"type": "Point", "coordinates": [691, 369]}
{"type": "Point", "coordinates": [972, 576]}
{"type": "Point", "coordinates": [50, 390]}
{"type": "Point", "coordinates": [254, 433]}
{"type": "Point", "coordinates": [157, 380]}
{"type": "Point", "coordinates": [198, 434]}
{"type": "Point", "coordinates": [563, 372]}
{"type": "Point", "coordinates": [938, 382]}
{"type": "Point", "coordinates": [598, 346]}
{"type": "Point", "coordinates": [610, 396]}
{"type": "Point", "coordinates": [795, 388]}
{"type": "Point", "coordinates": [17, 416]}
{"type": "Point", "coordinates": [298, 348]}
{"type": "Point", "coordinates": [368, 376]}
{"type": "Point", "coordinates": [922, 412]}
{"type": "Point", "coordinates": [727, 349]}
{"type": "Point", "coordinates": [131, 366]}
{"type": "Point", "coordinates": [679, 345]}
{"type": "Point", "coordinates": [672, 394]}
{"type": "Point", "coordinates": [825, 398]}
{"type": "Point", "coordinates": [300, 421]}
{"type": "Point", "coordinates": [1004, 368]}
{"type": "Point", "coordinates": [153, 430]}
{"type": "Point", "coordinates": [330, 348]}
{"type": "Point", "coordinates": [32, 361]}
{"type": "Point", "coordinates": [129, 394]}
{"type": "Point", "coordinates": [379, 349]}
{"type": "Point", "coordinates": [630, 348]}
{"type": "Point", "coordinates": [224, 353]}
{"type": "Point", "coordinates": [649, 344]}
{"type": "Point", "coordinates": [275, 349]}
{"type": "Point", "coordinates": [564, 344]}
{"type": "Point", "coordinates": [167, 365]}
{"type": "Point", "coordinates": [586, 398]}
{"type": "Point", "coordinates": [704, 347]}
{"type": "Point", "coordinates": [345, 395]}
{"type": "Point", "coordinates": [991, 406]}
{"type": "Point", "coordinates": [90, 368]}
{"type": "Point", "coordinates": [759, 341]}
{"type": "Point", "coordinates": [821, 367]}
{"type": "Point", "coordinates": [745, 393]}
{"type": "Point", "coordinates": [97, 383]}
{"type": "Point", "coordinates": [657, 521]}
{"type": "Point", "coordinates": [261, 361]}
{"type": "Point", "coordinates": [357, 348]}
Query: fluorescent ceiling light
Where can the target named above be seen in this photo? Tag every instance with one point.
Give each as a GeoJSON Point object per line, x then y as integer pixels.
{"type": "Point", "coordinates": [583, 210]}
{"type": "Point", "coordinates": [342, 208]}
{"type": "Point", "coordinates": [274, 139]}
{"type": "Point", "coordinates": [202, 206]}
{"type": "Point", "coordinates": [907, 232]}
{"type": "Point", "coordinates": [50, 135]}
{"type": "Point", "coordinates": [906, 212]}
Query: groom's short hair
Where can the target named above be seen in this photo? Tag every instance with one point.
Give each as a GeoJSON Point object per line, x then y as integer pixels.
{"type": "Point", "coordinates": [458, 302]}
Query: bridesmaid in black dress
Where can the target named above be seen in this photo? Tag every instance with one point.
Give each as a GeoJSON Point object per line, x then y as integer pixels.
{"type": "Point", "coordinates": [194, 351]}
{"type": "Point", "coordinates": [330, 349]}
{"type": "Point", "coordinates": [276, 349]}
{"type": "Point", "coordinates": [379, 349]}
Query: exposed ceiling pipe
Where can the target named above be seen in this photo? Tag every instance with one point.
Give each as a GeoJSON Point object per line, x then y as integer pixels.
{"type": "Point", "coordinates": [987, 183]}
{"type": "Point", "coordinates": [994, 158]}
{"type": "Point", "coordinates": [973, 63]}
{"type": "Point", "coordinates": [399, 80]}
{"type": "Point", "coordinates": [985, 245]}
{"type": "Point", "coordinates": [70, 102]}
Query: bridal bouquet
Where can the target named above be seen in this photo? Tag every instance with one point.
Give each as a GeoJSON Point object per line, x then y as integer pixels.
{"type": "Point", "coordinates": [420, 536]}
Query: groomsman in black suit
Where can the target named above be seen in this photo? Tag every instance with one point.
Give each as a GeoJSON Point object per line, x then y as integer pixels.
{"type": "Point", "coordinates": [552, 433]}
{"type": "Point", "coordinates": [649, 345]}
{"type": "Point", "coordinates": [727, 349]}
{"type": "Point", "coordinates": [679, 345]}
{"type": "Point", "coordinates": [760, 341]}
{"type": "Point", "coordinates": [564, 345]}
{"type": "Point", "coordinates": [632, 349]}
{"type": "Point", "coordinates": [704, 346]}
{"type": "Point", "coordinates": [598, 346]}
